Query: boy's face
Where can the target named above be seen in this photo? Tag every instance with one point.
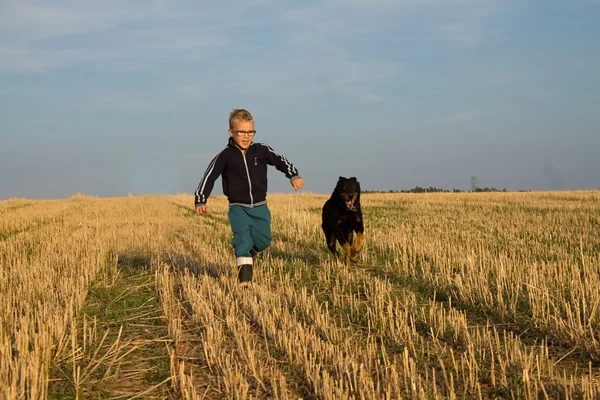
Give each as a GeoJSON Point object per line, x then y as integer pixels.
{"type": "Point", "coordinates": [245, 139]}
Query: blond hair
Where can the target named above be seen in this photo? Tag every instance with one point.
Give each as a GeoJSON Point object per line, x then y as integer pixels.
{"type": "Point", "coordinates": [239, 114]}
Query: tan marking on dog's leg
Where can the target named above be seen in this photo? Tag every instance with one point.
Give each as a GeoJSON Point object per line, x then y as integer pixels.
{"type": "Point", "coordinates": [347, 251]}
{"type": "Point", "coordinates": [358, 242]}
{"type": "Point", "coordinates": [349, 255]}
{"type": "Point", "coordinates": [351, 243]}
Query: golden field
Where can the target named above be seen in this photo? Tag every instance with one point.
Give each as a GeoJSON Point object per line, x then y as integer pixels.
{"type": "Point", "coordinates": [467, 295]}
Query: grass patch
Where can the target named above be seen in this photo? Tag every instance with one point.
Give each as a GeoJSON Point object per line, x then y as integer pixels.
{"type": "Point", "coordinates": [9, 233]}
{"type": "Point", "coordinates": [121, 342]}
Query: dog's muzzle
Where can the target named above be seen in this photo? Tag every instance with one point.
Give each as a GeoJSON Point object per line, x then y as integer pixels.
{"type": "Point", "coordinates": [344, 204]}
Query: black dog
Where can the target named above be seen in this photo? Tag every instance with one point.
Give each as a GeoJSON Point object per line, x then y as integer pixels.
{"type": "Point", "coordinates": [342, 217]}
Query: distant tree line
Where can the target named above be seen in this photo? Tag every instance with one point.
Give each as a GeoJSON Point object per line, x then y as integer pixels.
{"type": "Point", "coordinates": [431, 189]}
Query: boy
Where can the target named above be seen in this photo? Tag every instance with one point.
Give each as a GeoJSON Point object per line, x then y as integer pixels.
{"type": "Point", "coordinates": [243, 166]}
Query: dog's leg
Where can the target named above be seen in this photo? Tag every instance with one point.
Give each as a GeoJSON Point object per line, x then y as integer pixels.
{"type": "Point", "coordinates": [349, 256]}
{"type": "Point", "coordinates": [351, 241]}
{"type": "Point", "coordinates": [345, 239]}
{"type": "Point", "coordinates": [331, 242]}
{"type": "Point", "coordinates": [358, 243]}
{"type": "Point", "coordinates": [360, 232]}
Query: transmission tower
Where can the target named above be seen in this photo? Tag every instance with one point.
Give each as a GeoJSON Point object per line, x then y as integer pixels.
{"type": "Point", "coordinates": [474, 183]}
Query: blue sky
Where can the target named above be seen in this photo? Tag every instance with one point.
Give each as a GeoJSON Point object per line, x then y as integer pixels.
{"type": "Point", "coordinates": [115, 97]}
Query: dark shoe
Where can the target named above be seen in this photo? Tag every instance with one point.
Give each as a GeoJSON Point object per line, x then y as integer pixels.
{"type": "Point", "coordinates": [245, 274]}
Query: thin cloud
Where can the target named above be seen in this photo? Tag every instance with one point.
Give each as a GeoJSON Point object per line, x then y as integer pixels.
{"type": "Point", "coordinates": [134, 33]}
{"type": "Point", "coordinates": [122, 102]}
{"type": "Point", "coordinates": [468, 34]}
{"type": "Point", "coordinates": [355, 78]}
{"type": "Point", "coordinates": [193, 90]}
{"type": "Point", "coordinates": [462, 116]}
{"type": "Point", "coordinates": [196, 157]}
{"type": "Point", "coordinates": [311, 50]}
{"type": "Point", "coordinates": [34, 21]}
{"type": "Point", "coordinates": [454, 20]}
{"type": "Point", "coordinates": [324, 32]}
{"type": "Point", "coordinates": [111, 34]}
{"type": "Point", "coordinates": [499, 79]}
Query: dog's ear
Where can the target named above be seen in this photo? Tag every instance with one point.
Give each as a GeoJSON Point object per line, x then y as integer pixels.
{"type": "Point", "coordinates": [353, 179]}
{"type": "Point", "coordinates": [341, 178]}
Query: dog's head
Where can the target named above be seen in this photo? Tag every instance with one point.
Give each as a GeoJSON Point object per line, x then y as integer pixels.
{"type": "Point", "coordinates": [347, 192]}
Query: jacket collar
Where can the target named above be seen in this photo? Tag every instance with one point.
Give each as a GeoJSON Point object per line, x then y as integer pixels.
{"type": "Point", "coordinates": [231, 143]}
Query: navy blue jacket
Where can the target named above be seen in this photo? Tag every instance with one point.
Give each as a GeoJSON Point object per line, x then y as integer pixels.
{"type": "Point", "coordinates": [244, 176]}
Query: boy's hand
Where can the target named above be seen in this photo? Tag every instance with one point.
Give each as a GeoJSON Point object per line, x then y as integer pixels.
{"type": "Point", "coordinates": [297, 183]}
{"type": "Point", "coordinates": [201, 209]}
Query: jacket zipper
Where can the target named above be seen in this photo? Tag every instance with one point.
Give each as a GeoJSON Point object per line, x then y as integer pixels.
{"type": "Point", "coordinates": [249, 182]}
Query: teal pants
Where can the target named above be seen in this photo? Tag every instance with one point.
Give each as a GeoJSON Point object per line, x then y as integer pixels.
{"type": "Point", "coordinates": [251, 230]}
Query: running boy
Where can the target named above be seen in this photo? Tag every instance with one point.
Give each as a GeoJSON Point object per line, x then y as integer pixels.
{"type": "Point", "coordinates": [242, 165]}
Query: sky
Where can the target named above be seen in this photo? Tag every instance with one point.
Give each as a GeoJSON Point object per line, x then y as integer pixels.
{"type": "Point", "coordinates": [114, 97]}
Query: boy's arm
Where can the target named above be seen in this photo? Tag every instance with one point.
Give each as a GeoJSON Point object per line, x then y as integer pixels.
{"type": "Point", "coordinates": [214, 170]}
{"type": "Point", "coordinates": [281, 163]}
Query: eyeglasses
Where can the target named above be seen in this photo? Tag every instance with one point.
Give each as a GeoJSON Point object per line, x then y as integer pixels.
{"type": "Point", "coordinates": [243, 133]}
